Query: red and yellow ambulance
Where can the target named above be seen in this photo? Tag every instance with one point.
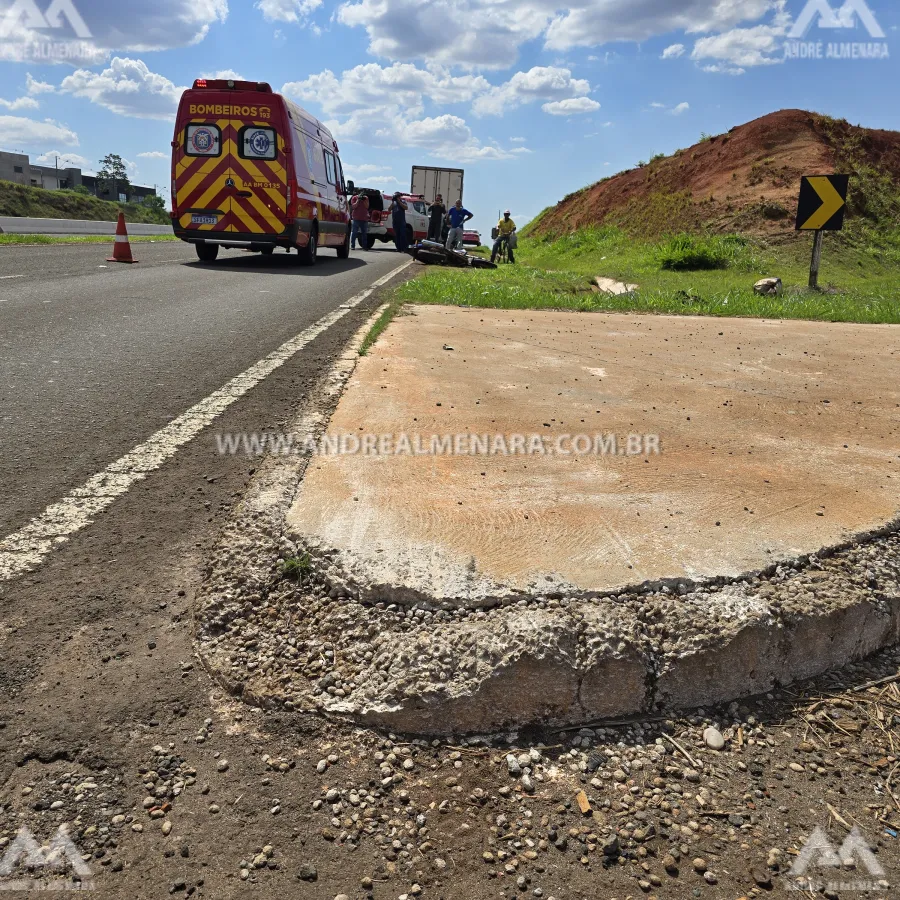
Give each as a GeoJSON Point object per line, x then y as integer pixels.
{"type": "Point", "coordinates": [252, 170]}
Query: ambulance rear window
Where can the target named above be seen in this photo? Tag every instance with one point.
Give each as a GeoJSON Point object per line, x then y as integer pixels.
{"type": "Point", "coordinates": [201, 139]}
{"type": "Point", "coordinates": [255, 142]}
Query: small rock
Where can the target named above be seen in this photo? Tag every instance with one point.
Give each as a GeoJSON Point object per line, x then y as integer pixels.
{"type": "Point", "coordinates": [713, 738]}
{"type": "Point", "coordinates": [512, 765]}
{"type": "Point", "coordinates": [699, 864]}
{"type": "Point", "coordinates": [767, 286]}
{"type": "Point", "coordinates": [308, 873]}
{"type": "Point", "coordinates": [761, 877]}
{"type": "Point", "coordinates": [610, 846]}
{"type": "Point", "coordinates": [222, 765]}
{"type": "Point", "coordinates": [166, 828]}
{"type": "Point", "coordinates": [581, 798]}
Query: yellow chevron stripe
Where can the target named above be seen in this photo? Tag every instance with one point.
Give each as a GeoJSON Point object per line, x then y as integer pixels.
{"type": "Point", "coordinates": [186, 188]}
{"type": "Point", "coordinates": [250, 224]}
{"type": "Point", "coordinates": [278, 197]}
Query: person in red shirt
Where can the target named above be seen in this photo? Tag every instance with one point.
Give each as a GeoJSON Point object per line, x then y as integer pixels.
{"type": "Point", "coordinates": [359, 217]}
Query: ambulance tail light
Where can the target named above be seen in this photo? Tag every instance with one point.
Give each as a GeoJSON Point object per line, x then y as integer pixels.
{"type": "Point", "coordinates": [174, 198]}
{"type": "Point", "coordinates": [199, 82]}
{"type": "Point", "coordinates": [292, 199]}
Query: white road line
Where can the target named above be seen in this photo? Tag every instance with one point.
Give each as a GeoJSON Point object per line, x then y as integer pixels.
{"type": "Point", "coordinates": [11, 276]}
{"type": "Point", "coordinates": [23, 550]}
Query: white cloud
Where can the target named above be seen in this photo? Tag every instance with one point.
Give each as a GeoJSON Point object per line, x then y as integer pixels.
{"type": "Point", "coordinates": [128, 88]}
{"type": "Point", "coordinates": [741, 47]}
{"type": "Point", "coordinates": [224, 74]}
{"type": "Point", "coordinates": [672, 110]}
{"type": "Point", "coordinates": [384, 106]}
{"type": "Point", "coordinates": [467, 32]}
{"type": "Point", "coordinates": [591, 22]}
{"type": "Point", "coordinates": [488, 33]}
{"type": "Point", "coordinates": [400, 86]}
{"type": "Point", "coordinates": [722, 69]}
{"type": "Point", "coordinates": [17, 131]}
{"type": "Point", "coordinates": [154, 154]}
{"type": "Point", "coordinates": [65, 160]}
{"type": "Point", "coordinates": [446, 136]}
{"type": "Point", "coordinates": [33, 86]}
{"type": "Point", "coordinates": [574, 106]}
{"type": "Point", "coordinates": [114, 26]}
{"type": "Point", "coordinates": [673, 51]}
{"type": "Point", "coordinates": [538, 83]}
{"type": "Point", "coordinates": [518, 140]}
{"type": "Point", "coordinates": [19, 103]}
{"type": "Point", "coordinates": [287, 10]}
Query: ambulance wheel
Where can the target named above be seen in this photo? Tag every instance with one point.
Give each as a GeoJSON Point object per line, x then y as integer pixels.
{"type": "Point", "coordinates": [343, 251]}
{"type": "Point", "coordinates": [309, 252]}
{"type": "Point", "coordinates": [267, 251]}
{"type": "Point", "coordinates": [207, 252]}
{"type": "Point", "coordinates": [370, 241]}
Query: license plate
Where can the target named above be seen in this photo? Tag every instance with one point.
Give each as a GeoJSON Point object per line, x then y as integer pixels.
{"type": "Point", "coordinates": [204, 220]}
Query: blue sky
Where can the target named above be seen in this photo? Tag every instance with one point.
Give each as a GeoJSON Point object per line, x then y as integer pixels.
{"type": "Point", "coordinates": [534, 98]}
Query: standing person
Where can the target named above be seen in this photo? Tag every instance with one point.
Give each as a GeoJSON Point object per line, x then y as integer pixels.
{"type": "Point", "coordinates": [359, 217]}
{"type": "Point", "coordinates": [436, 213]}
{"type": "Point", "coordinates": [505, 227]}
{"type": "Point", "coordinates": [458, 216]}
{"type": "Point", "coordinates": [398, 209]}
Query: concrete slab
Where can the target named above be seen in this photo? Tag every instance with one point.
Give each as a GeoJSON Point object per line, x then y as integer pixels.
{"type": "Point", "coordinates": [611, 286]}
{"type": "Point", "coordinates": [412, 640]}
{"type": "Point", "coordinates": [777, 438]}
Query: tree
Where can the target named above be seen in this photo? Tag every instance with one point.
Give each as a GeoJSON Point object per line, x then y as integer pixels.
{"type": "Point", "coordinates": [154, 201]}
{"type": "Point", "coordinates": [113, 175]}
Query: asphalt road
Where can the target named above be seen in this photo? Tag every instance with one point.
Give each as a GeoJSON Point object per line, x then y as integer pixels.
{"type": "Point", "coordinates": [96, 356]}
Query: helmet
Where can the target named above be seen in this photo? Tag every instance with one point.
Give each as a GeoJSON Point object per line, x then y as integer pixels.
{"type": "Point", "coordinates": [506, 212]}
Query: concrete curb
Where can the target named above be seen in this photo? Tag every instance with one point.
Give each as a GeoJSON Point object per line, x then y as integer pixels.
{"type": "Point", "coordinates": [25, 225]}
{"type": "Point", "coordinates": [403, 661]}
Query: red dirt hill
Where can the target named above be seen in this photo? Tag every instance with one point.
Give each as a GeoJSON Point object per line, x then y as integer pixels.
{"type": "Point", "coordinates": [746, 180]}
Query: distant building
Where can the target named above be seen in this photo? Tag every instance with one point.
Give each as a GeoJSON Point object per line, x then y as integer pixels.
{"type": "Point", "coordinates": [18, 168]}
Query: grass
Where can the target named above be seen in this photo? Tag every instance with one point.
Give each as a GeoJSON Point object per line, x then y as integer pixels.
{"type": "Point", "coordinates": [22, 200]}
{"type": "Point", "coordinates": [294, 568]}
{"type": "Point", "coordinates": [382, 322]}
{"type": "Point", "coordinates": [79, 239]}
{"type": "Point", "coordinates": [860, 273]}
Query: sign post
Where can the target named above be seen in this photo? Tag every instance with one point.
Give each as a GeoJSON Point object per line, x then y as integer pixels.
{"type": "Point", "coordinates": [821, 208]}
{"type": "Point", "coordinates": [816, 259]}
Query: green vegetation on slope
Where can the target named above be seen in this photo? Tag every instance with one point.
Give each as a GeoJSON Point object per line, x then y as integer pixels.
{"type": "Point", "coordinates": [862, 280]}
{"type": "Point", "coordinates": [21, 200]}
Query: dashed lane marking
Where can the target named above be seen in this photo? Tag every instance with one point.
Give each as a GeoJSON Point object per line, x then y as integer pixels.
{"type": "Point", "coordinates": [23, 550]}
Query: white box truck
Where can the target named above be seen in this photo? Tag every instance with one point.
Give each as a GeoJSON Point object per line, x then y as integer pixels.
{"type": "Point", "coordinates": [429, 182]}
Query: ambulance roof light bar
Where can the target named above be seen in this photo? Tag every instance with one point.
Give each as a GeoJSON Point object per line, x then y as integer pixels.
{"type": "Point", "coordinates": [261, 87]}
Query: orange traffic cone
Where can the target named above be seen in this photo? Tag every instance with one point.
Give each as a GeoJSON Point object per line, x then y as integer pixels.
{"type": "Point", "coordinates": [121, 248]}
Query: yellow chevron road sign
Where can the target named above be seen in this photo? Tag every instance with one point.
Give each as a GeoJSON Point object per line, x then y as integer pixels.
{"type": "Point", "coordinates": [823, 202]}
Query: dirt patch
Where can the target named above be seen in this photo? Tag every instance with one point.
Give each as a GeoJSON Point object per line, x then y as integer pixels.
{"type": "Point", "coordinates": [746, 179]}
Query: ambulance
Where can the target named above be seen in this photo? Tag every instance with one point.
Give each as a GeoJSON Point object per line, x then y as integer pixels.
{"type": "Point", "coordinates": [252, 170]}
